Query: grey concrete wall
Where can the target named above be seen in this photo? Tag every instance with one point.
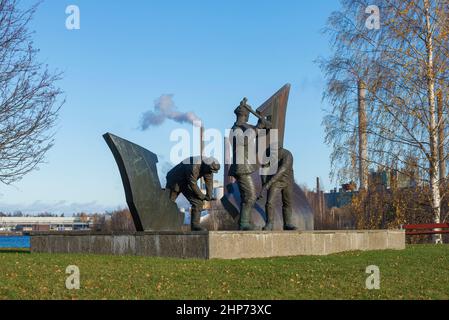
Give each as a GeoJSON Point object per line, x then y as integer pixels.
{"type": "Point", "coordinates": [161, 244]}
{"type": "Point", "coordinates": [225, 245]}
{"type": "Point", "coordinates": [218, 245]}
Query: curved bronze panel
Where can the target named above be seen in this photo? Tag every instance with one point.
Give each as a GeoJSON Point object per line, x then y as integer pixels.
{"type": "Point", "coordinates": [150, 206]}
{"type": "Point", "coordinates": [275, 109]}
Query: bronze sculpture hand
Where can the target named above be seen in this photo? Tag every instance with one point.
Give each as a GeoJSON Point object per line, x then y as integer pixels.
{"type": "Point", "coordinates": [209, 198]}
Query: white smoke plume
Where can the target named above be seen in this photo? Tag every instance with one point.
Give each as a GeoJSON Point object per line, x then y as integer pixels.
{"type": "Point", "coordinates": [165, 109]}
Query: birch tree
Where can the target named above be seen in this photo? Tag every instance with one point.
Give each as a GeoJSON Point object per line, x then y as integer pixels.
{"type": "Point", "coordinates": [401, 63]}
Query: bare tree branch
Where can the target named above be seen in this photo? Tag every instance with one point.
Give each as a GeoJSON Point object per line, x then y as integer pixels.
{"type": "Point", "coordinates": [29, 97]}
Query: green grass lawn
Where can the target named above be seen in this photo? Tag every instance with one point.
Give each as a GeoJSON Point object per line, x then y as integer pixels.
{"type": "Point", "coordinates": [420, 272]}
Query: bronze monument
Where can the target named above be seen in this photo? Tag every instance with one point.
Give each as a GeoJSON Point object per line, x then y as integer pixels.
{"type": "Point", "coordinates": [154, 209]}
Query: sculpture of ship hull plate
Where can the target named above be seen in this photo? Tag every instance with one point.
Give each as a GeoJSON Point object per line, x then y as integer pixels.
{"type": "Point", "coordinates": [150, 205]}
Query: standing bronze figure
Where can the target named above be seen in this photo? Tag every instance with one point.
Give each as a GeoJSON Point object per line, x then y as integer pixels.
{"type": "Point", "coordinates": [281, 182]}
{"type": "Point", "coordinates": [244, 162]}
{"type": "Point", "coordinates": [184, 179]}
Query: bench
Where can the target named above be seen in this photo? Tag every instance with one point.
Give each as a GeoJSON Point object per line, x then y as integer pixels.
{"type": "Point", "coordinates": [423, 229]}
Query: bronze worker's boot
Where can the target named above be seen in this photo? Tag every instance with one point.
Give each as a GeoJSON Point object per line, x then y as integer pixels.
{"type": "Point", "coordinates": [195, 221]}
{"type": "Point", "coordinates": [245, 220]}
{"type": "Point", "coordinates": [269, 226]}
{"type": "Point", "coordinates": [288, 220]}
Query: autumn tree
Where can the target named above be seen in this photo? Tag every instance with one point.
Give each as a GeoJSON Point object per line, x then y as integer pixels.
{"type": "Point", "coordinates": [402, 64]}
{"type": "Point", "coordinates": [29, 97]}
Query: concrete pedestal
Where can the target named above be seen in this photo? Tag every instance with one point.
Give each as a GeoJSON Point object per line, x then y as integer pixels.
{"type": "Point", "coordinates": [218, 245]}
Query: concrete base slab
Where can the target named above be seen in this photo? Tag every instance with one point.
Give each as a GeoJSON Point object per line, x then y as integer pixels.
{"type": "Point", "coordinates": [218, 245]}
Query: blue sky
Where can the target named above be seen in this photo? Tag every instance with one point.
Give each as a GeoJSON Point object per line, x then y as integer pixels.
{"type": "Point", "coordinates": [209, 54]}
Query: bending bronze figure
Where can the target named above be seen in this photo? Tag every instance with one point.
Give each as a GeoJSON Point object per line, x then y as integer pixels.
{"type": "Point", "coordinates": [184, 179]}
{"type": "Point", "coordinates": [280, 183]}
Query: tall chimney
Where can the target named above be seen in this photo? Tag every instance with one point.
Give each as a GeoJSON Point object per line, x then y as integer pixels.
{"type": "Point", "coordinates": [363, 136]}
{"type": "Point", "coordinates": [318, 199]}
{"type": "Point", "coordinates": [227, 164]}
{"type": "Point", "coordinates": [202, 181]}
{"type": "Point", "coordinates": [202, 142]}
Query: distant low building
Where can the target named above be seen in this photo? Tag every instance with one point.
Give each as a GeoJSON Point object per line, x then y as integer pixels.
{"type": "Point", "coordinates": [381, 180]}
{"type": "Point", "coordinates": [27, 224]}
{"type": "Point", "coordinates": [339, 199]}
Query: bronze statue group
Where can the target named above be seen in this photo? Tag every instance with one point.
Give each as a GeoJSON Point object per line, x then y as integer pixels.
{"type": "Point", "coordinates": [184, 177]}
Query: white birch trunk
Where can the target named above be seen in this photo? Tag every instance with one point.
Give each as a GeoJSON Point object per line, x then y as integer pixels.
{"type": "Point", "coordinates": [433, 132]}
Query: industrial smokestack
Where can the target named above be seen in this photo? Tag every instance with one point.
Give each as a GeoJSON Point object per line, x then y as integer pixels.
{"type": "Point", "coordinates": [202, 142]}
{"type": "Point", "coordinates": [227, 180]}
{"type": "Point", "coordinates": [363, 136]}
{"type": "Point", "coordinates": [203, 182]}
